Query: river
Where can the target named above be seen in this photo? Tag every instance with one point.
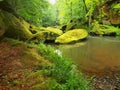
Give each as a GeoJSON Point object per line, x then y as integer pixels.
{"type": "Point", "coordinates": [95, 55]}
{"type": "Point", "coordinates": [98, 57]}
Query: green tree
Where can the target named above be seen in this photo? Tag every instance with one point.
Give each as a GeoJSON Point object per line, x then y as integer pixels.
{"type": "Point", "coordinates": [71, 9]}
{"type": "Point", "coordinates": [49, 18]}
{"type": "Point", "coordinates": [30, 10]}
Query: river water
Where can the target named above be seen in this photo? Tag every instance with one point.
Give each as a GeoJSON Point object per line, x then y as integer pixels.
{"type": "Point", "coordinates": [97, 55]}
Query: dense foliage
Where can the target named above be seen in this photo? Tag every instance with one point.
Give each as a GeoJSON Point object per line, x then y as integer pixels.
{"type": "Point", "coordinates": [84, 10]}
{"type": "Point", "coordinates": [71, 9]}
{"type": "Point", "coordinates": [41, 12]}
{"type": "Point", "coordinates": [64, 73]}
{"type": "Point", "coordinates": [37, 12]}
{"type": "Point", "coordinates": [50, 16]}
{"type": "Point", "coordinates": [30, 10]}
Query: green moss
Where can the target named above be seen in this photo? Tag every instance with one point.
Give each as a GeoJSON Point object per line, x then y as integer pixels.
{"type": "Point", "coordinates": [14, 28]}
{"type": "Point", "coordinates": [2, 25]}
{"type": "Point", "coordinates": [31, 58]}
{"type": "Point", "coordinates": [54, 30]}
{"type": "Point", "coordinates": [36, 76]}
{"type": "Point", "coordinates": [18, 33]}
{"type": "Point", "coordinates": [40, 37]}
{"type": "Point", "coordinates": [12, 42]}
{"type": "Point", "coordinates": [48, 33]}
{"type": "Point", "coordinates": [36, 80]}
{"type": "Point", "coordinates": [52, 33]}
{"type": "Point", "coordinates": [73, 35]}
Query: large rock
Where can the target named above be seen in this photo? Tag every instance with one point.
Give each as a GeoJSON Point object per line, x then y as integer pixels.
{"type": "Point", "coordinates": [73, 35]}
{"type": "Point", "coordinates": [52, 30]}
{"type": "Point", "coordinates": [48, 34]}
{"type": "Point", "coordinates": [13, 27]}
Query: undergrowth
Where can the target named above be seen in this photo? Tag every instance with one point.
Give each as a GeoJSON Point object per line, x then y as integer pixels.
{"type": "Point", "coordinates": [64, 73]}
{"type": "Point", "coordinates": [104, 29]}
{"type": "Point", "coordinates": [108, 27]}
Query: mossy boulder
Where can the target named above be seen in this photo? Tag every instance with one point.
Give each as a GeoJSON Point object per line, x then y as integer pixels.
{"type": "Point", "coordinates": [52, 30]}
{"type": "Point", "coordinates": [39, 37]}
{"type": "Point", "coordinates": [13, 27]}
{"type": "Point", "coordinates": [69, 26]}
{"type": "Point", "coordinates": [48, 33]}
{"type": "Point", "coordinates": [72, 35]}
{"type": "Point", "coordinates": [33, 29]}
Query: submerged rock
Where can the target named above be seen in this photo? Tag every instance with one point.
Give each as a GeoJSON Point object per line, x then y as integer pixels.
{"type": "Point", "coordinates": [73, 35]}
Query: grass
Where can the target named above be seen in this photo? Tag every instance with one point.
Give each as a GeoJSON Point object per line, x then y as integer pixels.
{"type": "Point", "coordinates": [38, 67]}
{"type": "Point", "coordinates": [64, 74]}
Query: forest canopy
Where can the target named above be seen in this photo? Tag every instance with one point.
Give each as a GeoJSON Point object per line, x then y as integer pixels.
{"type": "Point", "coordinates": [43, 13]}
{"type": "Point", "coordinates": [34, 11]}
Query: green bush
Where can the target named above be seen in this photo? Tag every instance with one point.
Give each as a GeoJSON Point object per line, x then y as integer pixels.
{"type": "Point", "coordinates": [115, 29]}
{"type": "Point", "coordinates": [64, 73]}
{"type": "Point", "coordinates": [104, 29]}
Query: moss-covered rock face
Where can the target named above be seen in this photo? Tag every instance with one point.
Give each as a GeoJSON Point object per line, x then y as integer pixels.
{"type": "Point", "coordinates": [108, 12]}
{"type": "Point", "coordinates": [73, 35]}
{"type": "Point", "coordinates": [2, 25]}
{"type": "Point", "coordinates": [13, 27]}
{"type": "Point", "coordinates": [39, 37]}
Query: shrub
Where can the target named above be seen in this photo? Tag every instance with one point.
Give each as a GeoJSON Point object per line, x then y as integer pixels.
{"type": "Point", "coordinates": [64, 73]}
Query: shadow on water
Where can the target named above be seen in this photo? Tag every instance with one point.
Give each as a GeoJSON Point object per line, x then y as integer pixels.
{"type": "Point", "coordinates": [97, 55]}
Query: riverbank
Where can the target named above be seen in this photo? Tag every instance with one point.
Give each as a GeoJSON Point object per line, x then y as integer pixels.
{"type": "Point", "coordinates": [25, 66]}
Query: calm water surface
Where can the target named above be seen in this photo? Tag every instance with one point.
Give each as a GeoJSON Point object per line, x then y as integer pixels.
{"type": "Point", "coordinates": [96, 55]}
